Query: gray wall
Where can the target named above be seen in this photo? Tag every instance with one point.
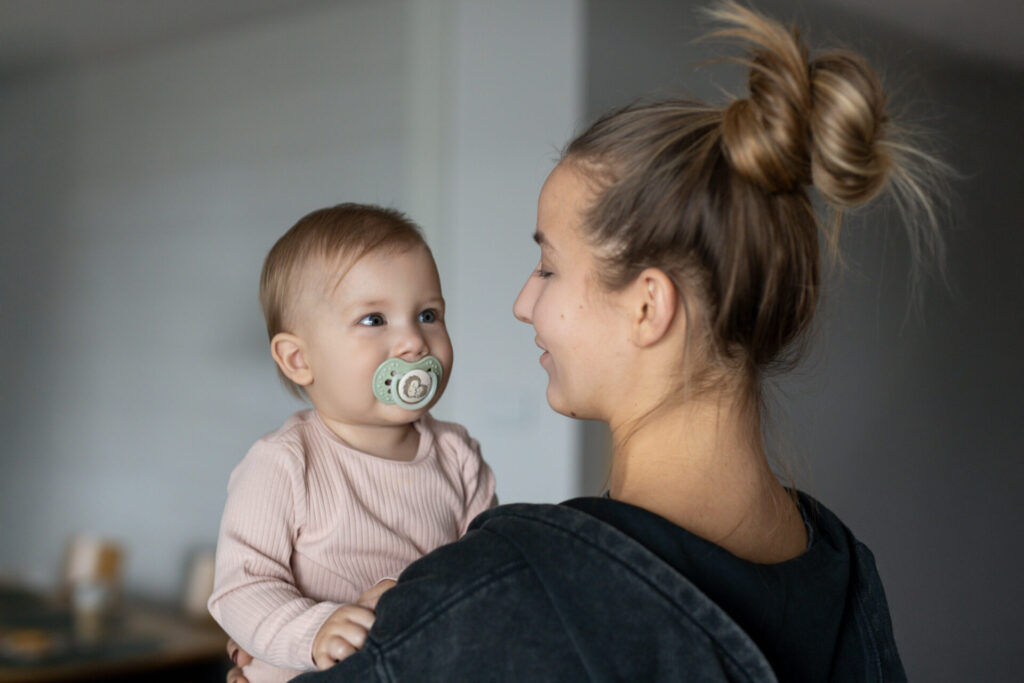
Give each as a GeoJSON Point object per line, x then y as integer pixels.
{"type": "Point", "coordinates": [909, 424]}
{"type": "Point", "coordinates": [140, 191]}
{"type": "Point", "coordinates": [517, 94]}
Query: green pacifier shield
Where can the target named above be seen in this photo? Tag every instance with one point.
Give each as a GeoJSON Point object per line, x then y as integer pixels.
{"type": "Point", "coordinates": [407, 385]}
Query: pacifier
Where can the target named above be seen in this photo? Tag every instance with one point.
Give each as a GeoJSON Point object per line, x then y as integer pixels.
{"type": "Point", "coordinates": [407, 385]}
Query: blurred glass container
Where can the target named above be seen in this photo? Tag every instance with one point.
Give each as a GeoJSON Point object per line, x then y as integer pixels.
{"type": "Point", "coordinates": [199, 584]}
{"type": "Point", "coordinates": [91, 582]}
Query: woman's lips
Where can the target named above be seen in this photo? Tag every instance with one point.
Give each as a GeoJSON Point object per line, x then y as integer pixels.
{"type": "Point", "coordinates": [544, 356]}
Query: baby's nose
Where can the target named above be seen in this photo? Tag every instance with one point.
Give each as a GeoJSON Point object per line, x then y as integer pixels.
{"type": "Point", "coordinates": [411, 346]}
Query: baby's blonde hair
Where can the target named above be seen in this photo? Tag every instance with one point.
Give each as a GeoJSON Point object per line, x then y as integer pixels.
{"type": "Point", "coordinates": [339, 234]}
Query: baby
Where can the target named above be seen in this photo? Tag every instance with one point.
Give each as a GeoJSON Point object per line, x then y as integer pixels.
{"type": "Point", "coordinates": [323, 513]}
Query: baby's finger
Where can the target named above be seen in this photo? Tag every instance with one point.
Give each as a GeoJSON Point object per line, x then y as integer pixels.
{"type": "Point", "coordinates": [235, 676]}
{"type": "Point", "coordinates": [335, 648]}
{"type": "Point", "coordinates": [371, 596]}
{"type": "Point", "coordinates": [355, 634]}
{"type": "Point", "coordinates": [358, 614]}
{"type": "Point", "coordinates": [237, 655]}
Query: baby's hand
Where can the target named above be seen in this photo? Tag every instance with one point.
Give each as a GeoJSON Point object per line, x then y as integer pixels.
{"type": "Point", "coordinates": [372, 595]}
{"type": "Point", "coordinates": [341, 635]}
{"type": "Point", "coordinates": [239, 658]}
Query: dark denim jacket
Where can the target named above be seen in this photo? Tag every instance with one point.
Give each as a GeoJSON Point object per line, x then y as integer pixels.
{"type": "Point", "coordinates": [549, 593]}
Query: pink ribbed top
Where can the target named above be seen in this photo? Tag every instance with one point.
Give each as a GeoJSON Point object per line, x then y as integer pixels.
{"type": "Point", "coordinates": [310, 523]}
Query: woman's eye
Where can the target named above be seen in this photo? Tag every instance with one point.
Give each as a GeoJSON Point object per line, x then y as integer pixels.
{"type": "Point", "coordinates": [543, 274]}
{"type": "Point", "coordinates": [372, 320]}
{"type": "Point", "coordinates": [428, 316]}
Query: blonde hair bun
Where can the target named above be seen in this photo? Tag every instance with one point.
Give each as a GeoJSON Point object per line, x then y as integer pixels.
{"type": "Point", "coordinates": [716, 197]}
{"type": "Point", "coordinates": [820, 121]}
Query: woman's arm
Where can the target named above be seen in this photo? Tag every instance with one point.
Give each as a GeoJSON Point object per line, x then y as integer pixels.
{"type": "Point", "coordinates": [471, 610]}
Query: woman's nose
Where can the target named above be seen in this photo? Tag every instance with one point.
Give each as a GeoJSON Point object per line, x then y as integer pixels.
{"type": "Point", "coordinates": [522, 308]}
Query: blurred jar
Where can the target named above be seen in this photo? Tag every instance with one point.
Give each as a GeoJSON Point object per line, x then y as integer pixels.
{"type": "Point", "coordinates": [92, 582]}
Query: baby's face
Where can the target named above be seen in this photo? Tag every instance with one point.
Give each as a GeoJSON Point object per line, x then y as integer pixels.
{"type": "Point", "coordinates": [387, 305]}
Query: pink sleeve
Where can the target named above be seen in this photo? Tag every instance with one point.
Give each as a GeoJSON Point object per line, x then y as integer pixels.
{"type": "Point", "coordinates": [478, 481]}
{"type": "Point", "coordinates": [254, 597]}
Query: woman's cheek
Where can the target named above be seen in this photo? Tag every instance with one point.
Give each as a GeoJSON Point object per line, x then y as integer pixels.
{"type": "Point", "coordinates": [544, 316]}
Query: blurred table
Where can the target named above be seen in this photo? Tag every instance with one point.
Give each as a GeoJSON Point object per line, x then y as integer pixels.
{"type": "Point", "coordinates": [139, 641]}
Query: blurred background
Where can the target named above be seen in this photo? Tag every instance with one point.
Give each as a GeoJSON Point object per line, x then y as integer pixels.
{"type": "Point", "coordinates": [152, 152]}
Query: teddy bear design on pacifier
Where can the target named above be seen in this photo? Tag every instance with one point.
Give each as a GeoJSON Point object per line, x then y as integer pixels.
{"type": "Point", "coordinates": [407, 385]}
{"type": "Point", "coordinates": [414, 389]}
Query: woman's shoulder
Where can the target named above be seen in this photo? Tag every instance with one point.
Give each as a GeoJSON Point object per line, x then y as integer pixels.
{"type": "Point", "coordinates": [580, 560]}
{"type": "Point", "coordinates": [564, 581]}
{"type": "Point", "coordinates": [538, 540]}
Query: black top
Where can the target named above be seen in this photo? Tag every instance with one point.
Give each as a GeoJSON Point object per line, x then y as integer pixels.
{"type": "Point", "coordinates": [791, 610]}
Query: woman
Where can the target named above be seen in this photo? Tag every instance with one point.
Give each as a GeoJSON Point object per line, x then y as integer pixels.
{"type": "Point", "coordinates": [679, 264]}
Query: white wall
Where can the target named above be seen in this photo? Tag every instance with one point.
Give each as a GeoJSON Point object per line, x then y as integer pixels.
{"type": "Point", "coordinates": [141, 192]}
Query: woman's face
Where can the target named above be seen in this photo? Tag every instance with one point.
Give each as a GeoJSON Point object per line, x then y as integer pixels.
{"type": "Point", "coordinates": [578, 325]}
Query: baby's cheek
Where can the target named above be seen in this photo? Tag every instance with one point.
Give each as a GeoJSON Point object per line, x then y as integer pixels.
{"type": "Point", "coordinates": [442, 350]}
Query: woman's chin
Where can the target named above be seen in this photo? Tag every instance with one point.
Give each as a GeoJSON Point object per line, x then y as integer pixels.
{"type": "Point", "coordinates": [560, 405]}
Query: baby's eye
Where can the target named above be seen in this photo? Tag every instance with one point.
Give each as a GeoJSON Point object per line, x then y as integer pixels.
{"type": "Point", "coordinates": [428, 316]}
{"type": "Point", "coordinates": [372, 320]}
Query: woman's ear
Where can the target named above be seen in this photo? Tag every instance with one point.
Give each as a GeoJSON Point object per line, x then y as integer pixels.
{"type": "Point", "coordinates": [653, 301]}
{"type": "Point", "coordinates": [289, 354]}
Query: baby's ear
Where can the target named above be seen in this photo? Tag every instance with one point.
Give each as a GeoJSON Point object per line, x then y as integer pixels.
{"type": "Point", "coordinates": [289, 353]}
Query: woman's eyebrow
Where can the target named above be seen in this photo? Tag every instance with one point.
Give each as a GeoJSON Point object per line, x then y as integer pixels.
{"type": "Point", "coordinates": [543, 241]}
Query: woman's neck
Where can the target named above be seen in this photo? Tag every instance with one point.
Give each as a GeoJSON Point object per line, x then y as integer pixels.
{"type": "Point", "coordinates": [701, 465]}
